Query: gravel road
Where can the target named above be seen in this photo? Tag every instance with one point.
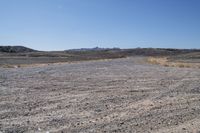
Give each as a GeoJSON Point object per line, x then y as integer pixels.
{"type": "Point", "coordinates": [120, 95]}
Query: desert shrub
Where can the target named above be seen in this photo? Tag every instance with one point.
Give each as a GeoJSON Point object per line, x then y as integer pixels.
{"type": "Point", "coordinates": [181, 65]}
{"type": "Point", "coordinates": [166, 65]}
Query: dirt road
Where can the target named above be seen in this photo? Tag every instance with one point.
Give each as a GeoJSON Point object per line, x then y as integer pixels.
{"type": "Point", "coordinates": [120, 95]}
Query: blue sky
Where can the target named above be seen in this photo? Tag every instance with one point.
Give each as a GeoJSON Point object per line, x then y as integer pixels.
{"type": "Point", "coordinates": [66, 24]}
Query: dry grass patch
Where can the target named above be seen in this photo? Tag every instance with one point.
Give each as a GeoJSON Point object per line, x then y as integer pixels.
{"type": "Point", "coordinates": [9, 66]}
{"type": "Point", "coordinates": [165, 62]}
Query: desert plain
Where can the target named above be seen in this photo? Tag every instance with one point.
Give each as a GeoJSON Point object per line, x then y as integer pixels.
{"type": "Point", "coordinates": [110, 95]}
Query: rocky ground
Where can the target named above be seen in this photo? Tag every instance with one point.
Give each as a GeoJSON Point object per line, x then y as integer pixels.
{"type": "Point", "coordinates": [120, 95]}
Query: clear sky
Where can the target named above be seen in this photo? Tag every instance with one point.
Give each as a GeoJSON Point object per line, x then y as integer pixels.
{"type": "Point", "coordinates": [66, 24]}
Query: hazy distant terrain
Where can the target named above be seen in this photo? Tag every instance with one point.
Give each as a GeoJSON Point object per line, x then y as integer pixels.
{"type": "Point", "coordinates": [122, 94]}
{"type": "Point", "coordinates": [18, 55]}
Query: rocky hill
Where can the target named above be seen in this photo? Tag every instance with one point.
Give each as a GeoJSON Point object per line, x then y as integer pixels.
{"type": "Point", "coordinates": [15, 49]}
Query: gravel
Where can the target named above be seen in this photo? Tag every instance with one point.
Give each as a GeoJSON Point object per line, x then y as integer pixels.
{"type": "Point", "coordinates": [119, 95]}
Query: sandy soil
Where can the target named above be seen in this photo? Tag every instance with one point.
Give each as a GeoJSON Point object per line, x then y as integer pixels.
{"type": "Point", "coordinates": [120, 95]}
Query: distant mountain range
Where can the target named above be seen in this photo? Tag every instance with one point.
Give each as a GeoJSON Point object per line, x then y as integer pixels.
{"type": "Point", "coordinates": [93, 49]}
